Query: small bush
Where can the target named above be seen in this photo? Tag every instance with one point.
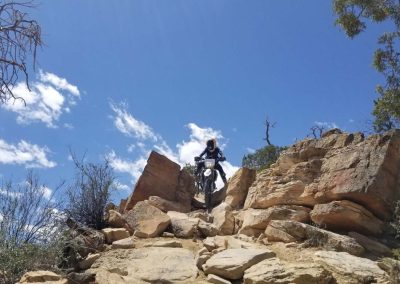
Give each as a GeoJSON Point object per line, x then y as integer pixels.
{"type": "Point", "coordinates": [262, 158]}
{"type": "Point", "coordinates": [29, 228]}
{"type": "Point", "coordinates": [90, 193]}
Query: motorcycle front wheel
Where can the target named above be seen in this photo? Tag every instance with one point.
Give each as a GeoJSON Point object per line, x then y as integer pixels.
{"type": "Point", "coordinates": [208, 187]}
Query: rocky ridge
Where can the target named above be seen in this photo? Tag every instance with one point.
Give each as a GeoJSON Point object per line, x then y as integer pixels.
{"type": "Point", "coordinates": [318, 215]}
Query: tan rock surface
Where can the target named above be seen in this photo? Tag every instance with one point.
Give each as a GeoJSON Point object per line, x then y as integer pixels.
{"type": "Point", "coordinates": [232, 263]}
{"type": "Point", "coordinates": [255, 221]}
{"type": "Point", "coordinates": [123, 244]}
{"type": "Point", "coordinates": [182, 225]}
{"type": "Point", "coordinates": [275, 271]}
{"type": "Point", "coordinates": [144, 265]}
{"type": "Point", "coordinates": [224, 220]}
{"type": "Point", "coordinates": [88, 261]}
{"type": "Point", "coordinates": [238, 187]}
{"type": "Point", "coordinates": [344, 215]}
{"type": "Point", "coordinates": [338, 166]}
{"type": "Point", "coordinates": [354, 269]}
{"type": "Point", "coordinates": [290, 231]}
{"type": "Point", "coordinates": [146, 220]}
{"type": "Point", "coordinates": [42, 276]}
{"type": "Point", "coordinates": [115, 219]}
{"type": "Point", "coordinates": [115, 234]}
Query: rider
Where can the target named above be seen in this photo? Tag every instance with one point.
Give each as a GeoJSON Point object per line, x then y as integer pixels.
{"type": "Point", "coordinates": [212, 152]}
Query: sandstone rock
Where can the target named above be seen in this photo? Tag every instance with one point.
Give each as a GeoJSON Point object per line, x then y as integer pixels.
{"type": "Point", "coordinates": [290, 231]}
{"type": "Point", "coordinates": [166, 244]}
{"type": "Point", "coordinates": [123, 244]}
{"type": "Point", "coordinates": [115, 234]}
{"type": "Point", "coordinates": [162, 178]}
{"type": "Point", "coordinates": [115, 219]}
{"type": "Point", "coordinates": [201, 257]}
{"type": "Point", "coordinates": [88, 261]}
{"type": "Point", "coordinates": [371, 245]}
{"type": "Point", "coordinates": [275, 271]}
{"type": "Point", "coordinates": [168, 235]}
{"type": "Point", "coordinates": [42, 276]}
{"type": "Point", "coordinates": [146, 265]}
{"type": "Point", "coordinates": [207, 229]}
{"type": "Point", "coordinates": [182, 225]}
{"type": "Point", "coordinates": [223, 219]}
{"type": "Point", "coordinates": [217, 280]}
{"type": "Point", "coordinates": [238, 187]}
{"type": "Point", "coordinates": [338, 166]}
{"type": "Point", "coordinates": [255, 221]}
{"type": "Point", "coordinates": [147, 221]}
{"type": "Point", "coordinates": [212, 243]}
{"type": "Point", "coordinates": [354, 269]}
{"type": "Point", "coordinates": [346, 216]}
{"type": "Point", "coordinates": [232, 263]}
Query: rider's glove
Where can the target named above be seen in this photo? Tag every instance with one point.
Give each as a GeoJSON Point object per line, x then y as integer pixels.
{"type": "Point", "coordinates": [222, 159]}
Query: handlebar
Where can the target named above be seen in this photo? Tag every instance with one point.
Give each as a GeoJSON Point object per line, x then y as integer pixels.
{"type": "Point", "coordinates": [199, 159]}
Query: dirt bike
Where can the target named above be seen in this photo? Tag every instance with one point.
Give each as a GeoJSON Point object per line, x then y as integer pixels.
{"type": "Point", "coordinates": [205, 180]}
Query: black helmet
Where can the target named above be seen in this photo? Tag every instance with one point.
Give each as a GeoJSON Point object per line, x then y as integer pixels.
{"type": "Point", "coordinates": [211, 144]}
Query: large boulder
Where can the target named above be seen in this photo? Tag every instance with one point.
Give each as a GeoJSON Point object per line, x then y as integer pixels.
{"type": "Point", "coordinates": [371, 245]}
{"type": "Point", "coordinates": [224, 220]}
{"type": "Point", "coordinates": [115, 219]}
{"type": "Point", "coordinates": [182, 226]}
{"type": "Point", "coordinates": [344, 215]}
{"type": "Point", "coordinates": [238, 187]}
{"type": "Point", "coordinates": [338, 166]}
{"type": "Point", "coordinates": [352, 268]}
{"type": "Point", "coordinates": [232, 263]}
{"type": "Point", "coordinates": [255, 221]}
{"type": "Point", "coordinates": [147, 221]}
{"type": "Point", "coordinates": [292, 231]}
{"type": "Point", "coordinates": [163, 178]}
{"type": "Point", "coordinates": [277, 271]}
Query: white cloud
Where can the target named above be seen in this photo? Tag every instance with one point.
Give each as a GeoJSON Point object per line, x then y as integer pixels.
{"type": "Point", "coordinates": [68, 126]}
{"type": "Point", "coordinates": [121, 186]}
{"type": "Point", "coordinates": [59, 83]}
{"type": "Point", "coordinates": [133, 168]}
{"type": "Point", "coordinates": [24, 153]}
{"type": "Point", "coordinates": [351, 120]}
{"type": "Point", "coordinates": [131, 126]}
{"type": "Point", "coordinates": [328, 125]}
{"type": "Point", "coordinates": [47, 100]}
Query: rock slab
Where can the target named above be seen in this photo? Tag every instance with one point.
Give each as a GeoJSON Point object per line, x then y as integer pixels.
{"type": "Point", "coordinates": [232, 263]}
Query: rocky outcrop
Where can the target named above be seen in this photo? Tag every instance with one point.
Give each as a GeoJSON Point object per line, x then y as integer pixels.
{"type": "Point", "coordinates": [232, 263]}
{"type": "Point", "coordinates": [276, 271]}
{"type": "Point", "coordinates": [127, 243]}
{"type": "Point", "coordinates": [292, 231]}
{"type": "Point", "coordinates": [255, 221]}
{"type": "Point", "coordinates": [238, 187]}
{"type": "Point", "coordinates": [352, 268]}
{"type": "Point", "coordinates": [147, 221]}
{"type": "Point", "coordinates": [338, 166]}
{"type": "Point", "coordinates": [163, 178]}
{"type": "Point", "coordinates": [344, 215]}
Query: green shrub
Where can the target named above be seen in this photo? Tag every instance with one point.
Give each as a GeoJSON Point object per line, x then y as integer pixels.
{"type": "Point", "coordinates": [262, 158]}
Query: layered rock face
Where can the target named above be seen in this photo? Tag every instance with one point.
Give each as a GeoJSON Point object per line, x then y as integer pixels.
{"type": "Point", "coordinates": [172, 188]}
{"type": "Point", "coordinates": [338, 166]}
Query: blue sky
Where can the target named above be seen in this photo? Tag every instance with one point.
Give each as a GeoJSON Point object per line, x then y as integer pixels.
{"type": "Point", "coordinates": [119, 78]}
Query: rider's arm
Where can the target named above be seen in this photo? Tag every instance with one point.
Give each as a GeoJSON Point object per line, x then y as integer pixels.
{"type": "Point", "coordinates": [222, 157]}
{"type": "Point", "coordinates": [202, 153]}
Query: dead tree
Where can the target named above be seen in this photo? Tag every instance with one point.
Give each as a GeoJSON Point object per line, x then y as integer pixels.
{"type": "Point", "coordinates": [317, 130]}
{"type": "Point", "coordinates": [268, 126]}
{"type": "Point", "coordinates": [20, 37]}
